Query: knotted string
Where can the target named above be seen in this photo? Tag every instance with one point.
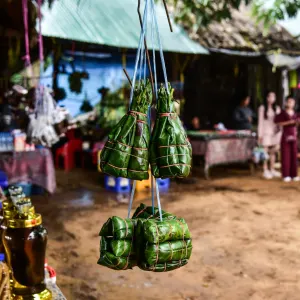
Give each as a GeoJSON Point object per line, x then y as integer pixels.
{"type": "Point", "coordinates": [141, 52]}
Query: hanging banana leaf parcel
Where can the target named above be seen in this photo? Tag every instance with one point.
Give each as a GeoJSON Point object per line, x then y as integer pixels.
{"type": "Point", "coordinates": [126, 152]}
{"type": "Point", "coordinates": [170, 150]}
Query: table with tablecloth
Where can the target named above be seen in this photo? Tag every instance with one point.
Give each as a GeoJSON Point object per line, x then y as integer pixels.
{"type": "Point", "coordinates": [222, 147]}
{"type": "Point", "coordinates": [35, 167]}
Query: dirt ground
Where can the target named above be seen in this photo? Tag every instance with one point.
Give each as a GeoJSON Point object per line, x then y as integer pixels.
{"type": "Point", "coordinates": [245, 231]}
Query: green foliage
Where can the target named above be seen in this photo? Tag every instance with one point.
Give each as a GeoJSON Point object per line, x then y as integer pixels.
{"type": "Point", "coordinates": [279, 11]}
{"type": "Point", "coordinates": [196, 13]}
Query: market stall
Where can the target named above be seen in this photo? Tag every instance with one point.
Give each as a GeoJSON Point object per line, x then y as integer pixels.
{"type": "Point", "coordinates": [219, 148]}
{"type": "Point", "coordinates": [35, 167]}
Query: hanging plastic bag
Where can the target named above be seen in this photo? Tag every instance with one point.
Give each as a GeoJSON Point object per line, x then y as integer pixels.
{"type": "Point", "coordinates": [40, 129]}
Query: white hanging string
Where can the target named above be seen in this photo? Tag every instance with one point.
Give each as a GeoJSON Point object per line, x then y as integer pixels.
{"type": "Point", "coordinates": [153, 52]}
{"type": "Point", "coordinates": [142, 36]}
{"type": "Point", "coordinates": [141, 53]}
{"type": "Point", "coordinates": [137, 60]}
{"type": "Point", "coordinates": [160, 46]}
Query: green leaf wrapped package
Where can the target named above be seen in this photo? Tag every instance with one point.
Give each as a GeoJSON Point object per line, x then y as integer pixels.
{"type": "Point", "coordinates": [118, 228]}
{"type": "Point", "coordinates": [162, 246]}
{"type": "Point", "coordinates": [167, 252]}
{"type": "Point", "coordinates": [166, 267]}
{"type": "Point", "coordinates": [117, 244]}
{"type": "Point", "coordinates": [155, 231]}
{"type": "Point", "coordinates": [112, 261]}
{"type": "Point", "coordinates": [146, 212]}
{"type": "Point", "coordinates": [126, 152]}
{"type": "Point", "coordinates": [122, 248]}
{"type": "Point", "coordinates": [170, 150]}
{"type": "Point", "coordinates": [145, 241]}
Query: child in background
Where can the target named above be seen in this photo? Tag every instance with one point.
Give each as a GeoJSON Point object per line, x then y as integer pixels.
{"type": "Point", "coordinates": [289, 120]}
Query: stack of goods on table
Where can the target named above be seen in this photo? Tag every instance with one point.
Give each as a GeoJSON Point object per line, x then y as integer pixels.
{"type": "Point", "coordinates": [145, 241]}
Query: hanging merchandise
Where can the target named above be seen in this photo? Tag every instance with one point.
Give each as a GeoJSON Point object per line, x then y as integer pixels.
{"type": "Point", "coordinates": [152, 239]}
{"type": "Point", "coordinates": [46, 115]}
{"type": "Point", "coordinates": [126, 152]}
{"type": "Point", "coordinates": [75, 82]}
{"type": "Point", "coordinates": [170, 150]}
{"type": "Point", "coordinates": [145, 241]}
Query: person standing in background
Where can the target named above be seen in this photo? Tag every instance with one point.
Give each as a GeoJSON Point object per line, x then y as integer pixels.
{"type": "Point", "coordinates": [243, 115]}
{"type": "Point", "coordinates": [269, 133]}
{"type": "Point", "coordinates": [289, 120]}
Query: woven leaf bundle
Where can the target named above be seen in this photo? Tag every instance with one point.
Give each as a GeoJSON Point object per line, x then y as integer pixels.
{"type": "Point", "coordinates": [145, 241]}
{"type": "Point", "coordinates": [116, 246]}
{"type": "Point", "coordinates": [170, 150]}
{"type": "Point", "coordinates": [126, 152]}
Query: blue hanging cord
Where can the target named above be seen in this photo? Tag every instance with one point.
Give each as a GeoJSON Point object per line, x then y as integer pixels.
{"type": "Point", "coordinates": [153, 53]}
{"type": "Point", "coordinates": [160, 47]}
{"type": "Point", "coordinates": [158, 200]}
{"type": "Point", "coordinates": [142, 36]}
{"type": "Point", "coordinates": [152, 193]}
{"type": "Point", "coordinates": [131, 199]}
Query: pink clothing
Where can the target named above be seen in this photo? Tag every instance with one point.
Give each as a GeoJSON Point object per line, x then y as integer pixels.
{"type": "Point", "coordinates": [268, 131]}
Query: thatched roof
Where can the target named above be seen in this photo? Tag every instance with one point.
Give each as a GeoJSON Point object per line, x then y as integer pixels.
{"type": "Point", "coordinates": [241, 33]}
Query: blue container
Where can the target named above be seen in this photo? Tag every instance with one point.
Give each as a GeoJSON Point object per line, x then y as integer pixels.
{"type": "Point", "coordinates": [27, 187]}
{"type": "Point", "coordinates": [163, 184]}
{"type": "Point", "coordinates": [117, 185]}
{"type": "Point", "coordinates": [39, 147]}
{"type": "Point", "coordinates": [3, 180]}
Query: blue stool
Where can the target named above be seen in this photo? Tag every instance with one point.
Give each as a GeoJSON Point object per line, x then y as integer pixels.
{"type": "Point", "coordinates": [117, 185]}
{"type": "Point", "coordinates": [3, 180]}
{"type": "Point", "coordinates": [163, 184]}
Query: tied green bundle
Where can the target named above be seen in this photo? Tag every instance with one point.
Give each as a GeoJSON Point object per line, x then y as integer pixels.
{"type": "Point", "coordinates": [146, 212]}
{"type": "Point", "coordinates": [117, 244]}
{"type": "Point", "coordinates": [145, 241]}
{"type": "Point", "coordinates": [126, 152]}
{"type": "Point", "coordinates": [162, 246]}
{"type": "Point", "coordinates": [170, 150]}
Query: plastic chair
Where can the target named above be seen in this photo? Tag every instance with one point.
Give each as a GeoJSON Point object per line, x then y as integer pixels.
{"type": "Point", "coordinates": [163, 184]}
{"type": "Point", "coordinates": [67, 152]}
{"type": "Point", "coordinates": [118, 185]}
{"type": "Point", "coordinates": [3, 180]}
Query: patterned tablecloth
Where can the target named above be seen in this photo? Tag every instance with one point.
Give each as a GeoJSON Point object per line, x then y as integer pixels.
{"type": "Point", "coordinates": [223, 151]}
{"type": "Point", "coordinates": [35, 167]}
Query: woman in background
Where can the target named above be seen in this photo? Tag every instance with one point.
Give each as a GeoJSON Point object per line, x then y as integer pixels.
{"type": "Point", "coordinates": [243, 115]}
{"type": "Point", "coordinates": [289, 120]}
{"type": "Point", "coordinates": [269, 133]}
